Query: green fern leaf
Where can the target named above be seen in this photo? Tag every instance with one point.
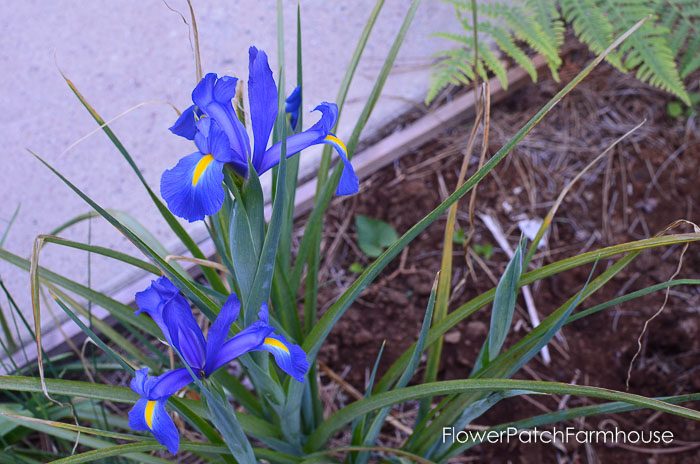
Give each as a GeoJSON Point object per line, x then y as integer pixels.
{"type": "Point", "coordinates": [664, 51]}
{"type": "Point", "coordinates": [691, 60]}
{"type": "Point", "coordinates": [592, 27]}
{"type": "Point", "coordinates": [547, 15]}
{"type": "Point", "coordinates": [647, 51]}
{"type": "Point", "coordinates": [682, 18]}
{"type": "Point", "coordinates": [506, 44]}
{"type": "Point", "coordinates": [528, 30]}
{"type": "Point", "coordinates": [454, 68]}
{"type": "Point", "coordinates": [491, 61]}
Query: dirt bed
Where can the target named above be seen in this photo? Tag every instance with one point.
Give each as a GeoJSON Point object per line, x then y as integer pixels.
{"type": "Point", "coordinates": [646, 183]}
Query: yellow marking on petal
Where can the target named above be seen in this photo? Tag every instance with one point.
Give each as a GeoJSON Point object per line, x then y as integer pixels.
{"type": "Point", "coordinates": [201, 167]}
{"type": "Point", "coordinates": [273, 342]}
{"type": "Point", "coordinates": [335, 140]}
{"type": "Point", "coordinates": [149, 412]}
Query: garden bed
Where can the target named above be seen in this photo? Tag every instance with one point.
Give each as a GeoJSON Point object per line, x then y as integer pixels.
{"type": "Point", "coordinates": [647, 182]}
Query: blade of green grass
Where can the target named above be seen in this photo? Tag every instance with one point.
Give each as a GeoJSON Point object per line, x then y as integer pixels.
{"type": "Point", "coordinates": [400, 455]}
{"type": "Point", "coordinates": [88, 441]}
{"type": "Point", "coordinates": [12, 220]}
{"type": "Point", "coordinates": [511, 361]}
{"type": "Point", "coordinates": [285, 245]}
{"type": "Point", "coordinates": [102, 251]}
{"type": "Point", "coordinates": [312, 234]}
{"type": "Point", "coordinates": [75, 388]}
{"type": "Point", "coordinates": [224, 418]}
{"type": "Point", "coordinates": [312, 240]}
{"type": "Point", "coordinates": [125, 218]}
{"type": "Point", "coordinates": [523, 352]}
{"type": "Point", "coordinates": [631, 296]}
{"type": "Point", "coordinates": [568, 414]}
{"type": "Point", "coordinates": [447, 387]}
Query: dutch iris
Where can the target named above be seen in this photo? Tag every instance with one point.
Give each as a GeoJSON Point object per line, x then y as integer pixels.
{"type": "Point", "coordinates": [203, 356]}
{"type": "Point", "coordinates": [193, 188]}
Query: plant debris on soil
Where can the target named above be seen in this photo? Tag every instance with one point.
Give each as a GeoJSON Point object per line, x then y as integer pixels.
{"type": "Point", "coordinates": [642, 186]}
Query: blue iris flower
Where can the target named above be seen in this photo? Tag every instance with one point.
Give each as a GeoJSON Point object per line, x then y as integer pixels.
{"type": "Point", "coordinates": [292, 105]}
{"type": "Point", "coordinates": [193, 188]}
{"type": "Point", "coordinates": [149, 411]}
{"type": "Point", "coordinates": [203, 356]}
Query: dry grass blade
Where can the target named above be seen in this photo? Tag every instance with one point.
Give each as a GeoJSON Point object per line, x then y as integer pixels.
{"type": "Point", "coordinates": [201, 262]}
{"type": "Point", "coordinates": [547, 222]}
{"type": "Point", "coordinates": [195, 35]}
{"type": "Point", "coordinates": [36, 309]}
{"type": "Point", "coordinates": [352, 391]}
{"type": "Point", "coordinates": [667, 293]}
{"type": "Point", "coordinates": [445, 274]}
{"type": "Point", "coordinates": [482, 155]}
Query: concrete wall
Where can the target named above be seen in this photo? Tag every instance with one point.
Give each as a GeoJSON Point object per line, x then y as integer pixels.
{"type": "Point", "coordinates": [124, 53]}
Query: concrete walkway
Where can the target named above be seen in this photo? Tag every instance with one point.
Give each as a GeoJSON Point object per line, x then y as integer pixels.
{"type": "Point", "coordinates": [121, 54]}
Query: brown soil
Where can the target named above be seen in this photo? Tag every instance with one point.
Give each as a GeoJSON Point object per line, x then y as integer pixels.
{"type": "Point", "coordinates": [645, 184]}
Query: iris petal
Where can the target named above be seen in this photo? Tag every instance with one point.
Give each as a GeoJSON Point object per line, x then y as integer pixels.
{"type": "Point", "coordinates": [163, 428]}
{"type": "Point", "coordinates": [225, 88]}
{"type": "Point", "coordinates": [193, 188]}
{"type": "Point", "coordinates": [297, 142]}
{"type": "Point", "coordinates": [137, 416]}
{"type": "Point", "coordinates": [288, 356]}
{"type": "Point", "coordinates": [262, 94]}
{"type": "Point", "coordinates": [248, 339]}
{"type": "Point", "coordinates": [186, 336]}
{"type": "Point", "coordinates": [219, 329]}
{"type": "Point", "coordinates": [139, 382]}
{"type": "Point", "coordinates": [185, 126]}
{"type": "Point", "coordinates": [349, 184]}
{"type": "Point", "coordinates": [203, 93]}
{"type": "Point", "coordinates": [292, 106]}
{"type": "Point", "coordinates": [168, 384]}
{"type": "Point", "coordinates": [213, 96]}
{"type": "Point", "coordinates": [211, 139]}
{"type": "Point", "coordinates": [153, 299]}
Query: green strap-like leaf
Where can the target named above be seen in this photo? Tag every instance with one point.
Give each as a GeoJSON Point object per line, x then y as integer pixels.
{"type": "Point", "coordinates": [567, 414]}
{"type": "Point", "coordinates": [448, 387]}
{"type": "Point", "coordinates": [504, 304]}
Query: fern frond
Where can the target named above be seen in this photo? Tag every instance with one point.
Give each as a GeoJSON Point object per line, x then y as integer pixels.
{"type": "Point", "coordinates": [547, 15]}
{"type": "Point", "coordinates": [682, 18]}
{"type": "Point", "coordinates": [690, 61]}
{"type": "Point", "coordinates": [526, 28]}
{"type": "Point", "coordinates": [463, 40]}
{"type": "Point", "coordinates": [454, 68]}
{"type": "Point", "coordinates": [647, 50]}
{"type": "Point", "coordinates": [488, 58]}
{"type": "Point", "coordinates": [506, 44]}
{"type": "Point", "coordinates": [592, 27]}
{"type": "Point", "coordinates": [662, 52]}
